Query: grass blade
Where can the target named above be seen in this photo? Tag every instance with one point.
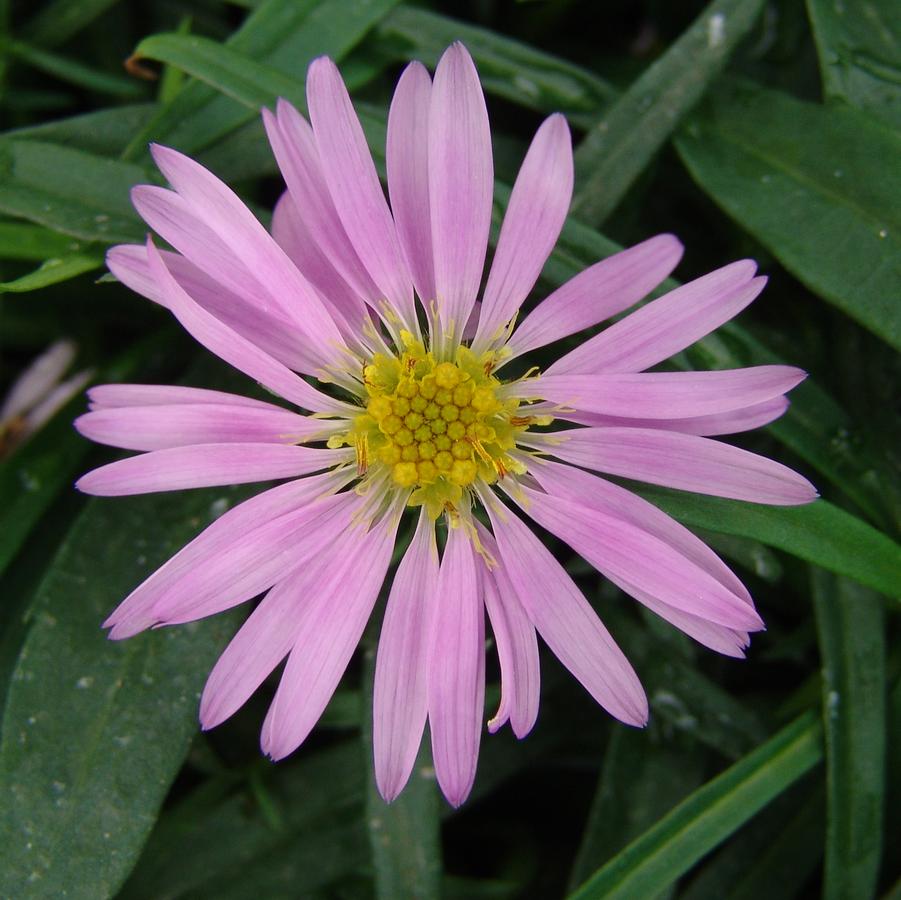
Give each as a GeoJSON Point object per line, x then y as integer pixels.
{"type": "Point", "coordinates": [851, 628]}
{"type": "Point", "coordinates": [669, 849]}
{"type": "Point", "coordinates": [619, 146]}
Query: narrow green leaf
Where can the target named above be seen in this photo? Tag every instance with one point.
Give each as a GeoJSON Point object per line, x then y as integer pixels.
{"type": "Point", "coordinates": [104, 132]}
{"type": "Point", "coordinates": [405, 835]}
{"type": "Point", "coordinates": [618, 148]}
{"type": "Point", "coordinates": [287, 35]}
{"type": "Point", "coordinates": [800, 177]}
{"type": "Point", "coordinates": [851, 628]}
{"type": "Point", "coordinates": [228, 71]}
{"type": "Point", "coordinates": [76, 73]}
{"type": "Point", "coordinates": [753, 865]}
{"type": "Point", "coordinates": [507, 68]}
{"type": "Point", "coordinates": [70, 191]}
{"type": "Point", "coordinates": [19, 240]}
{"type": "Point", "coordinates": [61, 19]}
{"type": "Point", "coordinates": [53, 271]}
{"type": "Point", "coordinates": [859, 50]}
{"type": "Point", "coordinates": [643, 778]}
{"type": "Point", "coordinates": [72, 823]}
{"type": "Point", "coordinates": [818, 532]}
{"type": "Point", "coordinates": [670, 848]}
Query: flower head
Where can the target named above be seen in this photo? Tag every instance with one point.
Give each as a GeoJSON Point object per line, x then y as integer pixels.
{"type": "Point", "coordinates": [413, 409]}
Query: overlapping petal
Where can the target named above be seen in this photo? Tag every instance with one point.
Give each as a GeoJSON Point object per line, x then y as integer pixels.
{"type": "Point", "coordinates": [684, 461]}
{"type": "Point", "coordinates": [400, 690]}
{"type": "Point", "coordinates": [461, 185]}
{"type": "Point", "coordinates": [456, 687]}
{"type": "Point", "coordinates": [354, 187]}
{"type": "Point", "coordinates": [565, 620]}
{"type": "Point", "coordinates": [532, 223]}
{"type": "Point", "coordinates": [329, 627]}
{"type": "Point", "coordinates": [652, 395]}
{"type": "Point", "coordinates": [162, 426]}
{"type": "Point", "coordinates": [407, 159]}
{"type": "Point", "coordinates": [599, 292]}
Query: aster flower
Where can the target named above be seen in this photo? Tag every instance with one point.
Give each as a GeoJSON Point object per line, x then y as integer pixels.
{"type": "Point", "coordinates": [412, 410]}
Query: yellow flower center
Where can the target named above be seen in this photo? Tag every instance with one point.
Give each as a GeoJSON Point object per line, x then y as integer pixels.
{"type": "Point", "coordinates": [436, 427]}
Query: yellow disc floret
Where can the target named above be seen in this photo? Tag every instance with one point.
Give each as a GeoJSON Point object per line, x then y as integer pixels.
{"type": "Point", "coordinates": [436, 427]}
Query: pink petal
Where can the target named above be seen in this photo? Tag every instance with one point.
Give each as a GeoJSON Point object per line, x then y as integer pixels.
{"type": "Point", "coordinates": [177, 425]}
{"type": "Point", "coordinates": [668, 324]}
{"type": "Point", "coordinates": [400, 694]}
{"type": "Point", "coordinates": [517, 646]}
{"type": "Point", "coordinates": [651, 395]}
{"type": "Point", "coordinates": [536, 212]}
{"type": "Point", "coordinates": [176, 221]}
{"type": "Point", "coordinates": [294, 147]}
{"type": "Point", "coordinates": [261, 643]}
{"type": "Point", "coordinates": [206, 465]}
{"type": "Point", "coordinates": [461, 185]}
{"type": "Point", "coordinates": [218, 338]}
{"type": "Point", "coordinates": [600, 291]}
{"type": "Point", "coordinates": [407, 157]}
{"type": "Point", "coordinates": [330, 625]}
{"type": "Point", "coordinates": [732, 422]}
{"type": "Point", "coordinates": [270, 331]}
{"type": "Point", "coordinates": [685, 461]}
{"type": "Point", "coordinates": [728, 641]}
{"type": "Point", "coordinates": [354, 186]}
{"type": "Point", "coordinates": [222, 211]}
{"type": "Point", "coordinates": [264, 556]}
{"type": "Point", "coordinates": [590, 490]}
{"type": "Point", "coordinates": [629, 554]}
{"type": "Point", "coordinates": [456, 688]}
{"type": "Point", "coordinates": [565, 619]}
{"type": "Point", "coordinates": [110, 396]}
{"type": "Point", "coordinates": [132, 615]}
{"type": "Point", "coordinates": [293, 235]}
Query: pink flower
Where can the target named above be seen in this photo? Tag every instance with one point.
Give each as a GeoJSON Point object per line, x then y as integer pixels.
{"type": "Point", "coordinates": [418, 414]}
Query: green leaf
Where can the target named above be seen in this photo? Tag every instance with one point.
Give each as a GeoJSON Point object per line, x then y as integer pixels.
{"type": "Point", "coordinates": [287, 35]}
{"type": "Point", "coordinates": [405, 835]}
{"type": "Point", "coordinates": [19, 240]}
{"type": "Point", "coordinates": [231, 73]}
{"type": "Point", "coordinates": [507, 68]}
{"type": "Point", "coordinates": [105, 132]}
{"type": "Point", "coordinates": [671, 847]}
{"type": "Point", "coordinates": [619, 147]}
{"type": "Point", "coordinates": [74, 72]}
{"type": "Point", "coordinates": [800, 177]}
{"type": "Point", "coordinates": [644, 776]}
{"type": "Point", "coordinates": [753, 865]}
{"type": "Point", "coordinates": [61, 19]}
{"type": "Point", "coordinates": [859, 50]}
{"type": "Point", "coordinates": [125, 714]}
{"type": "Point", "coordinates": [218, 838]}
{"type": "Point", "coordinates": [851, 627]}
{"type": "Point", "coordinates": [71, 191]}
{"type": "Point", "coordinates": [53, 271]}
{"type": "Point", "coordinates": [818, 532]}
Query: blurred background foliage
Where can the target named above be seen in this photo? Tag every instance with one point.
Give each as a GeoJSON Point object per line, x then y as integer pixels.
{"type": "Point", "coordinates": [748, 128]}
